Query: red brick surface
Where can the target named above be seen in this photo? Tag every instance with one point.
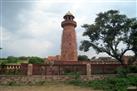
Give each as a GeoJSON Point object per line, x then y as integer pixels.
{"type": "Point", "coordinates": [69, 45]}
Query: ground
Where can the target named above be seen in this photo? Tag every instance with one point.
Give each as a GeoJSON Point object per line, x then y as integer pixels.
{"type": "Point", "coordinates": [51, 87]}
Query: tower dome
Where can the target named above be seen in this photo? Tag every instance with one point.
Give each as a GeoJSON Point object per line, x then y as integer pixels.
{"type": "Point", "coordinates": [68, 20]}
{"type": "Point", "coordinates": [68, 14]}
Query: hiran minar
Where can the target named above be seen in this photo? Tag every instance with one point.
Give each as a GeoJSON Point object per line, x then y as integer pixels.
{"type": "Point", "coordinates": [69, 45]}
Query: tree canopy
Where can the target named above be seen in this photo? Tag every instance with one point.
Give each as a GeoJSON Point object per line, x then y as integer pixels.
{"type": "Point", "coordinates": [110, 33]}
{"type": "Point", "coordinates": [36, 60]}
{"type": "Point", "coordinates": [12, 59]}
{"type": "Point", "coordinates": [83, 58]}
{"type": "Point", "coordinates": [133, 38]}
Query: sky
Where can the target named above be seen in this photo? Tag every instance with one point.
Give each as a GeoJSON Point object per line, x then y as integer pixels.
{"type": "Point", "coordinates": [33, 27]}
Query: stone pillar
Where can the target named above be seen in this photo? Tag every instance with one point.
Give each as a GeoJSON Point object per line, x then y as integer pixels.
{"type": "Point", "coordinates": [88, 69]}
{"type": "Point", "coordinates": [30, 69]}
{"type": "Point", "coordinates": [125, 60]}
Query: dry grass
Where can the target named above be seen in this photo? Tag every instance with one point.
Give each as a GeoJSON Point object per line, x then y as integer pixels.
{"type": "Point", "coordinates": [51, 87]}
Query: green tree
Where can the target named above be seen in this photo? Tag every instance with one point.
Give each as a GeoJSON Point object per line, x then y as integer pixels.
{"type": "Point", "coordinates": [109, 34]}
{"type": "Point", "coordinates": [36, 60]}
{"type": "Point", "coordinates": [133, 41]}
{"type": "Point", "coordinates": [83, 58]}
{"type": "Point", "coordinates": [133, 38]}
{"type": "Point", "coordinates": [12, 59]}
{"type": "Point", "coordinates": [23, 58]}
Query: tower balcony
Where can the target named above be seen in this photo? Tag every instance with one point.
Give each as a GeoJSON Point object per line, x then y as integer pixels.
{"type": "Point", "coordinates": [68, 22]}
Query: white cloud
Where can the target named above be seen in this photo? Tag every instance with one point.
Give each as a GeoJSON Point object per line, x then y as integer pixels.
{"type": "Point", "coordinates": [40, 31]}
{"type": "Point", "coordinates": [16, 46]}
{"type": "Point", "coordinates": [38, 35]}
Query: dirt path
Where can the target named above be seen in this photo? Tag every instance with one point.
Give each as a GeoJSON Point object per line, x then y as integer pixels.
{"type": "Point", "coordinates": [57, 87]}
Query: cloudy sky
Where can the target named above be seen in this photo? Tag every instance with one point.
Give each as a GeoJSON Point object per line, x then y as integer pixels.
{"type": "Point", "coordinates": [33, 27]}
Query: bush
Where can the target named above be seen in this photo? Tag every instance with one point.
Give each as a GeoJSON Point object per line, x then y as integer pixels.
{"type": "Point", "coordinates": [12, 59]}
{"type": "Point", "coordinates": [108, 84]}
{"type": "Point", "coordinates": [132, 80]}
{"type": "Point", "coordinates": [83, 58]}
{"type": "Point", "coordinates": [74, 75]}
{"type": "Point", "coordinates": [12, 83]}
{"type": "Point", "coordinates": [3, 58]}
{"type": "Point", "coordinates": [23, 58]}
{"type": "Point", "coordinates": [36, 60]}
{"type": "Point", "coordinates": [132, 69]}
{"type": "Point", "coordinates": [122, 71]}
{"type": "Point", "coordinates": [117, 84]}
{"type": "Point", "coordinates": [3, 63]}
{"type": "Point", "coordinates": [97, 84]}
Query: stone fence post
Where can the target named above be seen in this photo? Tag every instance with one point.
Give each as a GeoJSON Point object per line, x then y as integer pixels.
{"type": "Point", "coordinates": [88, 69]}
{"type": "Point", "coordinates": [30, 69]}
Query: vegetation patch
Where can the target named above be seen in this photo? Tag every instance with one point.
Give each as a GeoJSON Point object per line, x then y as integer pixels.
{"type": "Point", "coordinates": [108, 84]}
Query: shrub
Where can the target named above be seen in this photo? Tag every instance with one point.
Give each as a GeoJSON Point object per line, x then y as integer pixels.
{"type": "Point", "coordinates": [23, 58]}
{"type": "Point", "coordinates": [117, 84]}
{"type": "Point", "coordinates": [132, 80]}
{"type": "Point", "coordinates": [3, 64]}
{"type": "Point", "coordinates": [132, 69]}
{"type": "Point", "coordinates": [12, 83]}
{"type": "Point", "coordinates": [74, 75]}
{"type": "Point", "coordinates": [122, 71]}
{"type": "Point", "coordinates": [12, 59]}
{"type": "Point", "coordinates": [96, 84]}
{"type": "Point", "coordinates": [83, 58]}
{"type": "Point", "coordinates": [108, 84]}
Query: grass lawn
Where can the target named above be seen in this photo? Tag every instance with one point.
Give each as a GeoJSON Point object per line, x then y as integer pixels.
{"type": "Point", "coordinates": [48, 87]}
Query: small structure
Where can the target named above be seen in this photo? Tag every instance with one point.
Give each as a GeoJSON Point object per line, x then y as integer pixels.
{"type": "Point", "coordinates": [54, 58]}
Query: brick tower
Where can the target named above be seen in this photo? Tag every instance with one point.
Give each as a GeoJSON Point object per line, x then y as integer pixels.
{"type": "Point", "coordinates": [69, 45]}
